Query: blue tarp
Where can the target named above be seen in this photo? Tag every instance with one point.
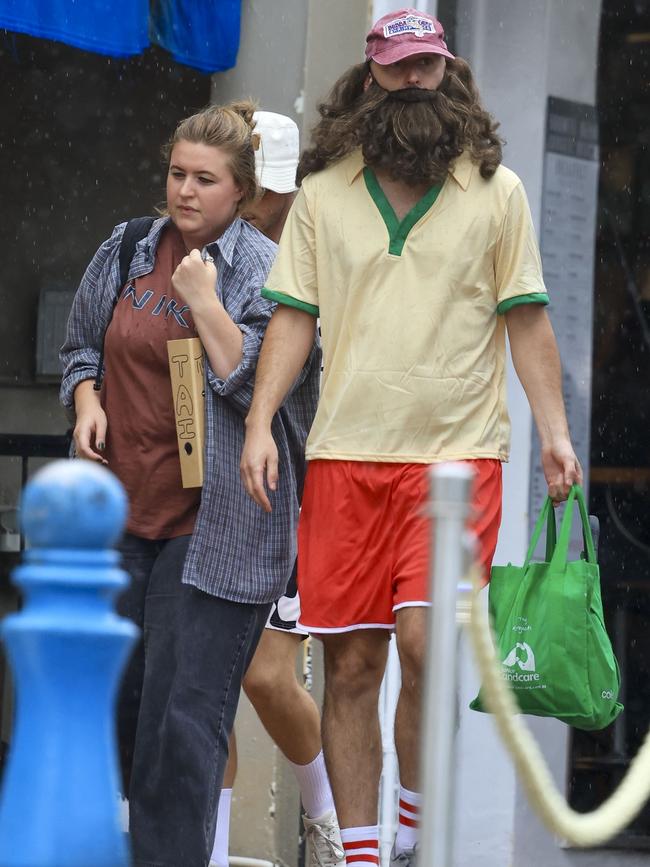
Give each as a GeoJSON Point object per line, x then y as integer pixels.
{"type": "Point", "coordinates": [118, 28]}
{"type": "Point", "coordinates": [199, 33]}
{"type": "Point", "coordinates": [203, 34]}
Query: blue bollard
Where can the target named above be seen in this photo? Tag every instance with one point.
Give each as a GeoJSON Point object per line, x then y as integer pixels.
{"type": "Point", "coordinates": [67, 648]}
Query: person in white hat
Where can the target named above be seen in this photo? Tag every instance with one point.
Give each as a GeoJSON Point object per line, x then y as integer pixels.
{"type": "Point", "coordinates": [276, 161]}
{"type": "Point", "coordinates": [286, 709]}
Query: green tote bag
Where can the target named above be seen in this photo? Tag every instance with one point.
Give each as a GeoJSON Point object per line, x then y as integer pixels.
{"type": "Point", "coordinates": [549, 628]}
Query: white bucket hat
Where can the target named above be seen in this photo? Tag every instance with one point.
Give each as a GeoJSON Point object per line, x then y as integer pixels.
{"type": "Point", "coordinates": [276, 158]}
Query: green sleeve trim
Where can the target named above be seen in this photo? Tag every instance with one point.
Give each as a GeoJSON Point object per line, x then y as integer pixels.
{"type": "Point", "coordinates": [397, 232]}
{"type": "Point", "coordinates": [281, 298]}
{"type": "Point", "coordinates": [533, 298]}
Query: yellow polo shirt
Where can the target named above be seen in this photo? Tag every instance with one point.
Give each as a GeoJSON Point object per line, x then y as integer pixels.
{"type": "Point", "coordinates": [413, 343]}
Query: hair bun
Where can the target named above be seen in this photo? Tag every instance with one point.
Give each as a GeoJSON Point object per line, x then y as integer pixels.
{"type": "Point", "coordinates": [245, 108]}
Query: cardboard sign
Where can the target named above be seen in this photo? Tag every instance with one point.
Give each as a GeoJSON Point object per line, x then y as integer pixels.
{"type": "Point", "coordinates": [186, 369]}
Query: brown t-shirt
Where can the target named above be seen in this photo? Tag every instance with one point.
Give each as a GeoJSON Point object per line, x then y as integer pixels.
{"type": "Point", "coordinates": [141, 446]}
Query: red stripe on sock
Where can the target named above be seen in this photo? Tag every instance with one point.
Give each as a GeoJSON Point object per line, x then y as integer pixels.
{"type": "Point", "coordinates": [353, 859]}
{"type": "Point", "coordinates": [412, 808]}
{"type": "Point", "coordinates": [361, 844]}
{"type": "Point", "coordinates": [410, 823]}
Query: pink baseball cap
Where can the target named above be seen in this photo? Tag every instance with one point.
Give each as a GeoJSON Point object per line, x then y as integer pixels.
{"type": "Point", "coordinates": [403, 33]}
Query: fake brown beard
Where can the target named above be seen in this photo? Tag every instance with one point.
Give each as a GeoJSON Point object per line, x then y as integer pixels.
{"type": "Point", "coordinates": [412, 136]}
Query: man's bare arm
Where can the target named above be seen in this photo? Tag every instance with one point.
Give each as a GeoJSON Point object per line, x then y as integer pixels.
{"type": "Point", "coordinates": [286, 346]}
{"type": "Point", "coordinates": [537, 363]}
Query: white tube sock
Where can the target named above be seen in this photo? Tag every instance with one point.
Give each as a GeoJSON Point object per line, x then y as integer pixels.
{"type": "Point", "coordinates": [408, 830]}
{"type": "Point", "coordinates": [314, 787]}
{"type": "Point", "coordinates": [361, 846]}
{"type": "Point", "coordinates": [219, 855]}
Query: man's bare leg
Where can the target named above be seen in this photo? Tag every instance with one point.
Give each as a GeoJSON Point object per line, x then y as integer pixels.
{"type": "Point", "coordinates": [410, 629]}
{"type": "Point", "coordinates": [287, 711]}
{"type": "Point", "coordinates": [354, 667]}
{"type": "Point", "coordinates": [411, 633]}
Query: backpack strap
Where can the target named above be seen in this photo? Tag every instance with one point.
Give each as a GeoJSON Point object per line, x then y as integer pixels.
{"type": "Point", "coordinates": [134, 231]}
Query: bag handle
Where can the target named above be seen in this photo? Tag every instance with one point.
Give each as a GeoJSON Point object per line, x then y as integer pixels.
{"type": "Point", "coordinates": [546, 516]}
{"type": "Point", "coordinates": [562, 548]}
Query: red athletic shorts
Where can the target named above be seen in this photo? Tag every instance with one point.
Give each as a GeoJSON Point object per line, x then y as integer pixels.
{"type": "Point", "coordinates": [363, 540]}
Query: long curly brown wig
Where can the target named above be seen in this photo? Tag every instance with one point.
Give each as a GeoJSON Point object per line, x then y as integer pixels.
{"type": "Point", "coordinates": [414, 141]}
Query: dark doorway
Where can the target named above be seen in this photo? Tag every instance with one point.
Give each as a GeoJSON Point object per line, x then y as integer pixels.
{"type": "Point", "coordinates": [80, 143]}
{"type": "Point", "coordinates": [620, 436]}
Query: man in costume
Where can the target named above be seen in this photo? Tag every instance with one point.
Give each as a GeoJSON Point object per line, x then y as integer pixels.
{"type": "Point", "coordinates": [415, 248]}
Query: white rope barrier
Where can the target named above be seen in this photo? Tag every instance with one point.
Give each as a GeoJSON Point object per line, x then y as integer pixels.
{"type": "Point", "coordinates": [578, 829]}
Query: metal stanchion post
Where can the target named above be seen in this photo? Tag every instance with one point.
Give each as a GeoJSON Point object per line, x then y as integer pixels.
{"type": "Point", "coordinates": [449, 506]}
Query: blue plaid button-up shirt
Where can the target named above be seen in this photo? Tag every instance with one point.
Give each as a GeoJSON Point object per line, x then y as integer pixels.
{"type": "Point", "coordinates": [237, 552]}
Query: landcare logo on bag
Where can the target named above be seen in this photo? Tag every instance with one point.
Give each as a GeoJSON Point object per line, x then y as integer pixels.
{"type": "Point", "coordinates": [409, 24]}
{"type": "Point", "coordinates": [521, 656]}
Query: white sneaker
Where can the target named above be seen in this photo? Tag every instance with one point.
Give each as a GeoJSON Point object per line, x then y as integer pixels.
{"type": "Point", "coordinates": [323, 841]}
{"type": "Point", "coordinates": [408, 858]}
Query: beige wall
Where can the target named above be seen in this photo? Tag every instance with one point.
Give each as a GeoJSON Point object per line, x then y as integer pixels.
{"type": "Point", "coordinates": [271, 59]}
{"type": "Point", "coordinates": [336, 33]}
{"type": "Point", "coordinates": [292, 52]}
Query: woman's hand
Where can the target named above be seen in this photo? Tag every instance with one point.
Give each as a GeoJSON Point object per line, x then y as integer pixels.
{"type": "Point", "coordinates": [223, 341]}
{"type": "Point", "coordinates": [195, 281]}
{"type": "Point", "coordinates": [90, 429]}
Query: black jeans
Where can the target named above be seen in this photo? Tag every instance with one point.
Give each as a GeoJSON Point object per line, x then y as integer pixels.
{"type": "Point", "coordinates": [152, 602]}
{"type": "Point", "coordinates": [195, 653]}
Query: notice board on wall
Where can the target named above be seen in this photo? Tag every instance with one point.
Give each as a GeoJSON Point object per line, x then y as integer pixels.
{"type": "Point", "coordinates": [567, 243]}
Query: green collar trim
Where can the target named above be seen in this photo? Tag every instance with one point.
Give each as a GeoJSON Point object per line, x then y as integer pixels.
{"type": "Point", "coordinates": [397, 232]}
